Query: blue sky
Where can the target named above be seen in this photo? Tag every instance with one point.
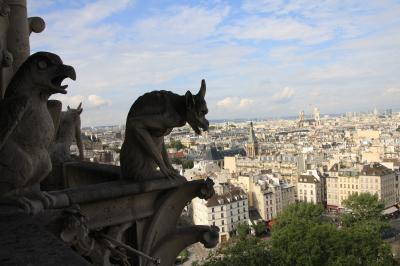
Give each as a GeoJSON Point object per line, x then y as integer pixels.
{"type": "Point", "coordinates": [259, 58]}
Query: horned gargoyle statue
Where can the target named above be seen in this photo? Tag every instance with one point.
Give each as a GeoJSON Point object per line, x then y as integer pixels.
{"type": "Point", "coordinates": [68, 131]}
{"type": "Point", "coordinates": [151, 117]}
{"type": "Point", "coordinates": [27, 129]}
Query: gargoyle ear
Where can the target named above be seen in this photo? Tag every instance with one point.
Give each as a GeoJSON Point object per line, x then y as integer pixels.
{"type": "Point", "coordinates": [79, 106]}
{"type": "Point", "coordinates": [189, 100]}
{"type": "Point", "coordinates": [202, 91]}
{"type": "Point", "coordinates": [69, 108]}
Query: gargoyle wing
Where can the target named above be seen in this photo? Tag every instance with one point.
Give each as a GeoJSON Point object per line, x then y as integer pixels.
{"type": "Point", "coordinates": [11, 111]}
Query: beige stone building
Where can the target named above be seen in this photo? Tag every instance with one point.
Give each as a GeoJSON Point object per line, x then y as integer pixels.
{"type": "Point", "coordinates": [226, 209]}
{"type": "Point", "coordinates": [372, 178]}
{"type": "Point", "coordinates": [268, 194]}
{"type": "Point", "coordinates": [311, 187]}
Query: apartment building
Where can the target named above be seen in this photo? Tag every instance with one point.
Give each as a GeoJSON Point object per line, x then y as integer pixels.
{"type": "Point", "coordinates": [268, 193]}
{"type": "Point", "coordinates": [311, 187]}
{"type": "Point", "coordinates": [226, 209]}
{"type": "Point", "coordinates": [373, 178]}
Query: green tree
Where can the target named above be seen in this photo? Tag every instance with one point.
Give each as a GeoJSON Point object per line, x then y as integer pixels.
{"type": "Point", "coordinates": [259, 228]}
{"type": "Point", "coordinates": [362, 207]}
{"type": "Point", "coordinates": [302, 237]}
{"type": "Point", "coordinates": [242, 230]}
{"type": "Point", "coordinates": [176, 160]}
{"type": "Point", "coordinates": [177, 144]}
{"type": "Point", "coordinates": [249, 251]}
{"type": "Point", "coordinates": [361, 244]}
{"type": "Point", "coordinates": [187, 164]}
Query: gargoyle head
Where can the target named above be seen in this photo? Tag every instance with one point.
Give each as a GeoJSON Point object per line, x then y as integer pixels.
{"type": "Point", "coordinates": [44, 72]}
{"type": "Point", "coordinates": [196, 109]}
{"type": "Point", "coordinates": [76, 111]}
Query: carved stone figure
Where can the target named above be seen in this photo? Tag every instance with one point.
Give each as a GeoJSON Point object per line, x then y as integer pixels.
{"type": "Point", "coordinates": [151, 117]}
{"type": "Point", "coordinates": [26, 127]}
{"type": "Point", "coordinates": [6, 58]}
{"type": "Point", "coordinates": [68, 131]}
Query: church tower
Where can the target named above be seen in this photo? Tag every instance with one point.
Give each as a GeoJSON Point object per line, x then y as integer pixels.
{"type": "Point", "coordinates": [252, 149]}
{"type": "Point", "coordinates": [317, 117]}
{"type": "Point", "coordinates": [301, 119]}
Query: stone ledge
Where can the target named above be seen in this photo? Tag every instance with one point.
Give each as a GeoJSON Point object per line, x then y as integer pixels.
{"type": "Point", "coordinates": [24, 242]}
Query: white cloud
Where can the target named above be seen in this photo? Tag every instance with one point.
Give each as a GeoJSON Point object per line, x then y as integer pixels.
{"type": "Point", "coordinates": [234, 103]}
{"type": "Point", "coordinates": [88, 102]}
{"type": "Point", "coordinates": [245, 102]}
{"type": "Point", "coordinates": [261, 28]}
{"type": "Point", "coordinates": [284, 96]}
{"type": "Point", "coordinates": [97, 101]}
{"type": "Point", "coordinates": [174, 45]}
{"type": "Point", "coordinates": [181, 25]}
{"type": "Point", "coordinates": [392, 91]}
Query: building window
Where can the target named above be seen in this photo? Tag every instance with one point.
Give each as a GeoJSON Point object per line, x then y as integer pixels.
{"type": "Point", "coordinates": [223, 229]}
{"type": "Point", "coordinates": [244, 217]}
{"type": "Point", "coordinates": [222, 215]}
{"type": "Point", "coordinates": [213, 223]}
{"type": "Point", "coordinates": [223, 222]}
{"type": "Point", "coordinates": [231, 220]}
{"type": "Point", "coordinates": [213, 217]}
{"type": "Point", "coordinates": [244, 203]}
{"type": "Point", "coordinates": [238, 204]}
{"type": "Point", "coordinates": [222, 208]}
{"type": "Point", "coordinates": [231, 213]}
{"type": "Point", "coordinates": [212, 209]}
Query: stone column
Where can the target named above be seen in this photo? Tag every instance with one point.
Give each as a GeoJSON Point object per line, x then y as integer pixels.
{"type": "Point", "coordinates": [19, 29]}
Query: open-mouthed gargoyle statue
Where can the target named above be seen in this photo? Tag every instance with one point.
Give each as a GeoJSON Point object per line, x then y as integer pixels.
{"type": "Point", "coordinates": [27, 129]}
{"type": "Point", "coordinates": [68, 131]}
{"type": "Point", "coordinates": [151, 117]}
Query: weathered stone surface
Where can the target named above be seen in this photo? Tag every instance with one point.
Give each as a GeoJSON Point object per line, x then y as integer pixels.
{"type": "Point", "coordinates": [151, 117]}
{"type": "Point", "coordinates": [24, 242]}
{"type": "Point", "coordinates": [69, 130]}
{"type": "Point", "coordinates": [27, 128]}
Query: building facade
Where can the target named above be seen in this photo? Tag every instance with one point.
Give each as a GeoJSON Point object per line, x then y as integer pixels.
{"type": "Point", "coordinates": [226, 209]}
{"type": "Point", "coordinates": [268, 194]}
{"type": "Point", "coordinates": [311, 187]}
{"type": "Point", "coordinates": [373, 178]}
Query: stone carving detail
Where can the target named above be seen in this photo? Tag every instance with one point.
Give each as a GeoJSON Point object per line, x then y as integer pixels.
{"type": "Point", "coordinates": [151, 117]}
{"type": "Point", "coordinates": [162, 239]}
{"type": "Point", "coordinates": [27, 129]}
{"type": "Point", "coordinates": [110, 223]}
{"type": "Point", "coordinates": [6, 58]}
{"type": "Point", "coordinates": [69, 130]}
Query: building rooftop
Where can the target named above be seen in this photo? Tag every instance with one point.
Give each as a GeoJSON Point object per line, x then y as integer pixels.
{"type": "Point", "coordinates": [232, 195]}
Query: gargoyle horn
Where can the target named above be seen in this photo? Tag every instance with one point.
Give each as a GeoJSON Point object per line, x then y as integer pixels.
{"type": "Point", "coordinates": [202, 91]}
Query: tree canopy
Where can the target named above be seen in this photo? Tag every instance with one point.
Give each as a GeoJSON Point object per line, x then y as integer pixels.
{"type": "Point", "coordinates": [302, 235]}
{"type": "Point", "coordinates": [362, 207]}
{"type": "Point", "coordinates": [248, 250]}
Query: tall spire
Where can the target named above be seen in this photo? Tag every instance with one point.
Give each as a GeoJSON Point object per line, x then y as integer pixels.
{"type": "Point", "coordinates": [252, 143]}
{"type": "Point", "coordinates": [252, 135]}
